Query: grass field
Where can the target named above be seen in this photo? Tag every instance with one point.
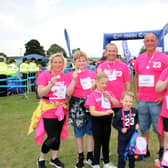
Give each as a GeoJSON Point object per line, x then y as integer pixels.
{"type": "Point", "coordinates": [17, 150]}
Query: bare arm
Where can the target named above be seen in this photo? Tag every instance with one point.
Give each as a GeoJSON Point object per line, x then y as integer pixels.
{"type": "Point", "coordinates": [71, 87]}
{"type": "Point", "coordinates": [114, 101]}
{"type": "Point", "coordinates": [161, 85]}
{"type": "Point", "coordinates": [136, 84]}
{"type": "Point", "coordinates": [44, 90]}
{"type": "Point", "coordinates": [127, 86]}
{"type": "Point", "coordinates": [93, 112]}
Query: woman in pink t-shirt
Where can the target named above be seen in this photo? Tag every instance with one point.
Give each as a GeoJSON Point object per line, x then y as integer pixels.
{"type": "Point", "coordinates": [53, 87]}
{"type": "Point", "coordinates": [162, 85]}
{"type": "Point", "coordinates": [100, 104]}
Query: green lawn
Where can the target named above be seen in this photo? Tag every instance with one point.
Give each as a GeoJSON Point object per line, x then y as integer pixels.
{"type": "Point", "coordinates": [17, 150]}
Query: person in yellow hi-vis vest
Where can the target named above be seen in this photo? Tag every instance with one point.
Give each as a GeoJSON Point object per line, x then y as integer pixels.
{"type": "Point", "coordinates": [24, 70]}
{"type": "Point", "coordinates": [33, 68]}
{"type": "Point", "coordinates": [12, 72]}
{"type": "Point", "coordinates": [3, 76]}
{"type": "Point", "coordinates": [12, 68]}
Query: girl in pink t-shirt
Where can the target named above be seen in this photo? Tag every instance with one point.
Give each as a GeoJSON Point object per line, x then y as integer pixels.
{"type": "Point", "coordinates": [100, 103]}
{"type": "Point", "coordinates": [162, 85]}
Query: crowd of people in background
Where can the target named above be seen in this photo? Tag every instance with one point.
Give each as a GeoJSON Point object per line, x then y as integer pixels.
{"type": "Point", "coordinates": [96, 100]}
{"type": "Point", "coordinates": [26, 72]}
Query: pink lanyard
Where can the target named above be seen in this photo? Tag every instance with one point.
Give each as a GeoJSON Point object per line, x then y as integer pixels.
{"type": "Point", "coordinates": [124, 118]}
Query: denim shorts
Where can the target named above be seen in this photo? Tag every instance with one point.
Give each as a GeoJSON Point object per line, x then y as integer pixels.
{"type": "Point", "coordinates": [148, 113]}
{"type": "Point", "coordinates": [86, 129]}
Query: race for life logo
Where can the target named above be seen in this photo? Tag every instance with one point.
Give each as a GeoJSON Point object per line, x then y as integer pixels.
{"type": "Point", "coordinates": [119, 73]}
{"type": "Point", "coordinates": [157, 64]}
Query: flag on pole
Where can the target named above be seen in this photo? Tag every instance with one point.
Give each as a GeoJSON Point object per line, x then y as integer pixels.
{"type": "Point", "coordinates": [68, 44]}
{"type": "Point", "coordinates": [127, 53]}
{"type": "Point", "coordinates": [164, 31]}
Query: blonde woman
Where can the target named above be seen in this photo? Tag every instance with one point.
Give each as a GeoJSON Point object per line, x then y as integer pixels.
{"type": "Point", "coordinates": [53, 89]}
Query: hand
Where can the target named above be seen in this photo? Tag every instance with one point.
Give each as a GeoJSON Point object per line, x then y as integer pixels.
{"type": "Point", "coordinates": [166, 82]}
{"type": "Point", "coordinates": [137, 126]}
{"type": "Point", "coordinates": [124, 130]}
{"type": "Point", "coordinates": [107, 94]}
{"type": "Point", "coordinates": [99, 70]}
{"type": "Point", "coordinates": [159, 100]}
{"type": "Point", "coordinates": [53, 80]}
{"type": "Point", "coordinates": [109, 112]}
{"type": "Point", "coordinates": [75, 74]}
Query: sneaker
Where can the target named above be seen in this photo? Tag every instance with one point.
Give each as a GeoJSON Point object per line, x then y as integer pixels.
{"type": "Point", "coordinates": [40, 164]}
{"type": "Point", "coordinates": [96, 166]}
{"type": "Point", "coordinates": [109, 165]}
{"type": "Point", "coordinates": [89, 159]}
{"type": "Point", "coordinates": [89, 162]}
{"type": "Point", "coordinates": [80, 163]}
{"type": "Point", "coordinates": [57, 163]}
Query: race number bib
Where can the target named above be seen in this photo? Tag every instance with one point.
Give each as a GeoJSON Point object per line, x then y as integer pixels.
{"type": "Point", "coordinates": [111, 74]}
{"type": "Point", "coordinates": [141, 145]}
{"type": "Point", "coordinates": [167, 102]}
{"type": "Point", "coordinates": [105, 102]}
{"type": "Point", "coordinates": [86, 83]}
{"type": "Point", "coordinates": [59, 91]}
{"type": "Point", "coordinates": [146, 80]}
{"type": "Point", "coordinates": [165, 158]}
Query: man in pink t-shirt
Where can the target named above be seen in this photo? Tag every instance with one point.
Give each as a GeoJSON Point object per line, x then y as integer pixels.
{"type": "Point", "coordinates": [148, 67]}
{"type": "Point", "coordinates": [117, 72]}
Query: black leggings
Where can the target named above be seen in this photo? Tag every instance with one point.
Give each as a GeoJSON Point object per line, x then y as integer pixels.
{"type": "Point", "coordinates": [53, 128]}
{"type": "Point", "coordinates": [101, 127]}
{"type": "Point", "coordinates": [165, 124]}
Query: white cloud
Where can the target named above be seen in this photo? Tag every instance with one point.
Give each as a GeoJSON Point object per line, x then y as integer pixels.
{"type": "Point", "coordinates": [43, 8]}
{"type": "Point", "coordinates": [9, 23]}
{"type": "Point", "coordinates": [45, 21]}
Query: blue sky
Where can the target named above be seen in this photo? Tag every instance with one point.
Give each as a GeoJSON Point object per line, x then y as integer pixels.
{"type": "Point", "coordinates": [86, 21]}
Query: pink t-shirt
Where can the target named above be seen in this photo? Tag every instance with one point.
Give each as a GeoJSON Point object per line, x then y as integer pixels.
{"type": "Point", "coordinates": [163, 77]}
{"type": "Point", "coordinates": [57, 92]}
{"type": "Point", "coordinates": [118, 73]}
{"type": "Point", "coordinates": [83, 84]}
{"type": "Point", "coordinates": [95, 99]}
{"type": "Point", "coordinates": [149, 69]}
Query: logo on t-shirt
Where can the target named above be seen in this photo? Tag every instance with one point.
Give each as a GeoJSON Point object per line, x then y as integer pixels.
{"type": "Point", "coordinates": [157, 64]}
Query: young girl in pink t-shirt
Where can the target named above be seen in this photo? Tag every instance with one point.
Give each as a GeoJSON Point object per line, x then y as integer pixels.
{"type": "Point", "coordinates": [100, 103]}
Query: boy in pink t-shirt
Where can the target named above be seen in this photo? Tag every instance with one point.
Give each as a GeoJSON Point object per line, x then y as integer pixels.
{"type": "Point", "coordinates": [100, 103]}
{"type": "Point", "coordinates": [148, 68]}
{"type": "Point", "coordinates": [79, 116]}
{"type": "Point", "coordinates": [162, 85]}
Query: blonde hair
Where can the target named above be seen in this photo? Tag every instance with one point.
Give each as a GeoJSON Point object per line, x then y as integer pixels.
{"type": "Point", "coordinates": [127, 93]}
{"type": "Point", "coordinates": [52, 57]}
{"type": "Point", "coordinates": [98, 77]}
{"type": "Point", "coordinates": [78, 54]}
